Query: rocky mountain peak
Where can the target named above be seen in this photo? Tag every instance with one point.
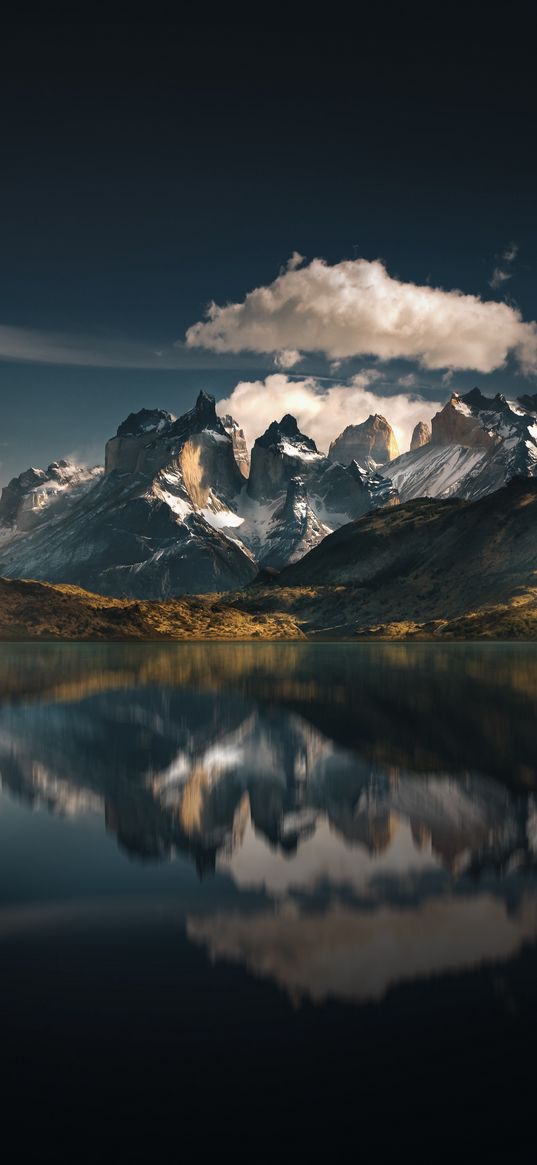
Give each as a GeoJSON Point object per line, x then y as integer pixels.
{"type": "Point", "coordinates": [421, 436]}
{"type": "Point", "coordinates": [478, 444]}
{"type": "Point", "coordinates": [474, 420]}
{"type": "Point", "coordinates": [528, 402]}
{"type": "Point", "coordinates": [229, 422]}
{"type": "Point", "coordinates": [144, 422]}
{"type": "Point", "coordinates": [373, 439]}
{"type": "Point", "coordinates": [202, 416]}
{"type": "Point", "coordinates": [38, 494]}
{"type": "Point", "coordinates": [152, 438]}
{"type": "Point", "coordinates": [278, 455]}
{"type": "Point", "coordinates": [16, 490]}
{"type": "Point", "coordinates": [458, 423]}
{"type": "Point", "coordinates": [285, 430]}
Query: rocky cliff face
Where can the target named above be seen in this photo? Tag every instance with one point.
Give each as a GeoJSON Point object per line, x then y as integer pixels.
{"type": "Point", "coordinates": [293, 530]}
{"type": "Point", "coordinates": [462, 422]}
{"type": "Point", "coordinates": [279, 455]}
{"type": "Point", "coordinates": [151, 439]}
{"type": "Point", "coordinates": [336, 491]}
{"type": "Point", "coordinates": [137, 439]}
{"type": "Point", "coordinates": [373, 440]}
{"type": "Point", "coordinates": [421, 436]}
{"type": "Point", "coordinates": [238, 440]}
{"type": "Point", "coordinates": [477, 445]}
{"type": "Point", "coordinates": [346, 492]}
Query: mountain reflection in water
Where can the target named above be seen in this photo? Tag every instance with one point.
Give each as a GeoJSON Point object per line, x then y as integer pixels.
{"type": "Point", "coordinates": [372, 809]}
{"type": "Point", "coordinates": [268, 893]}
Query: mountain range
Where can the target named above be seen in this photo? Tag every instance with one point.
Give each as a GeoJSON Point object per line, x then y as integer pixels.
{"type": "Point", "coordinates": [181, 507]}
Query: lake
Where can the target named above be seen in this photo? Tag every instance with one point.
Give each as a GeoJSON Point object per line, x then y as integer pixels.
{"type": "Point", "coordinates": [268, 897]}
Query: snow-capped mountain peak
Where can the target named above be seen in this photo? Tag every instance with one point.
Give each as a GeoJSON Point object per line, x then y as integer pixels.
{"type": "Point", "coordinates": [477, 445]}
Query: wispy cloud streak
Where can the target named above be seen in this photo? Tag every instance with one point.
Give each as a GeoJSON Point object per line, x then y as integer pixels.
{"type": "Point", "coordinates": [33, 346]}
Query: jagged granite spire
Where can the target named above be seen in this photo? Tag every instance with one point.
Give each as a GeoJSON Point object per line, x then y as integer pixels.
{"type": "Point", "coordinates": [278, 455]}
{"type": "Point", "coordinates": [285, 430]}
{"type": "Point", "coordinates": [374, 439]}
{"type": "Point", "coordinates": [421, 436]}
{"type": "Point", "coordinates": [238, 440]}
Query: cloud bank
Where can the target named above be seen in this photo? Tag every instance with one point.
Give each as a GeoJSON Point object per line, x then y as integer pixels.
{"type": "Point", "coordinates": [323, 411]}
{"type": "Point", "coordinates": [355, 308]}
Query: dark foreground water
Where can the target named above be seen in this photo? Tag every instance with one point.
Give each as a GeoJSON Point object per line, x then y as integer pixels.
{"type": "Point", "coordinates": [268, 901]}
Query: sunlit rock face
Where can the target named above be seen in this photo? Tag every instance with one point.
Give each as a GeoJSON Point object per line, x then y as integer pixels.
{"type": "Point", "coordinates": [421, 436]}
{"type": "Point", "coordinates": [238, 440]}
{"type": "Point", "coordinates": [152, 439]}
{"type": "Point", "coordinates": [208, 467]}
{"type": "Point", "coordinates": [460, 422]}
{"type": "Point", "coordinates": [373, 440]}
{"type": "Point", "coordinates": [126, 452]}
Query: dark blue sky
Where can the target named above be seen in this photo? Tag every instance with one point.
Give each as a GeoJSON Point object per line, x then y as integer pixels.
{"type": "Point", "coordinates": [147, 171]}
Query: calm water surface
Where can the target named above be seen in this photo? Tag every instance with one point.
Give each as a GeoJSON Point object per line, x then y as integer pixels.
{"type": "Point", "coordinates": [268, 897]}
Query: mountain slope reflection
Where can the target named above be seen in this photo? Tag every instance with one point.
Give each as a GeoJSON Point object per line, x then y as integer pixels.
{"type": "Point", "coordinates": [189, 770]}
{"type": "Point", "coordinates": [350, 866]}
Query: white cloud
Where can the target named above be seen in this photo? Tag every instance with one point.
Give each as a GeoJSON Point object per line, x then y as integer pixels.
{"type": "Point", "coordinates": [287, 358]}
{"type": "Point", "coordinates": [356, 308]}
{"type": "Point", "coordinates": [295, 261]}
{"type": "Point", "coordinates": [323, 411]}
{"type": "Point", "coordinates": [498, 277]}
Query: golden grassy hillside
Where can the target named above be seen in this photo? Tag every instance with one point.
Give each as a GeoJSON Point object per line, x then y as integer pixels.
{"type": "Point", "coordinates": [46, 611]}
{"type": "Point", "coordinates": [39, 610]}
